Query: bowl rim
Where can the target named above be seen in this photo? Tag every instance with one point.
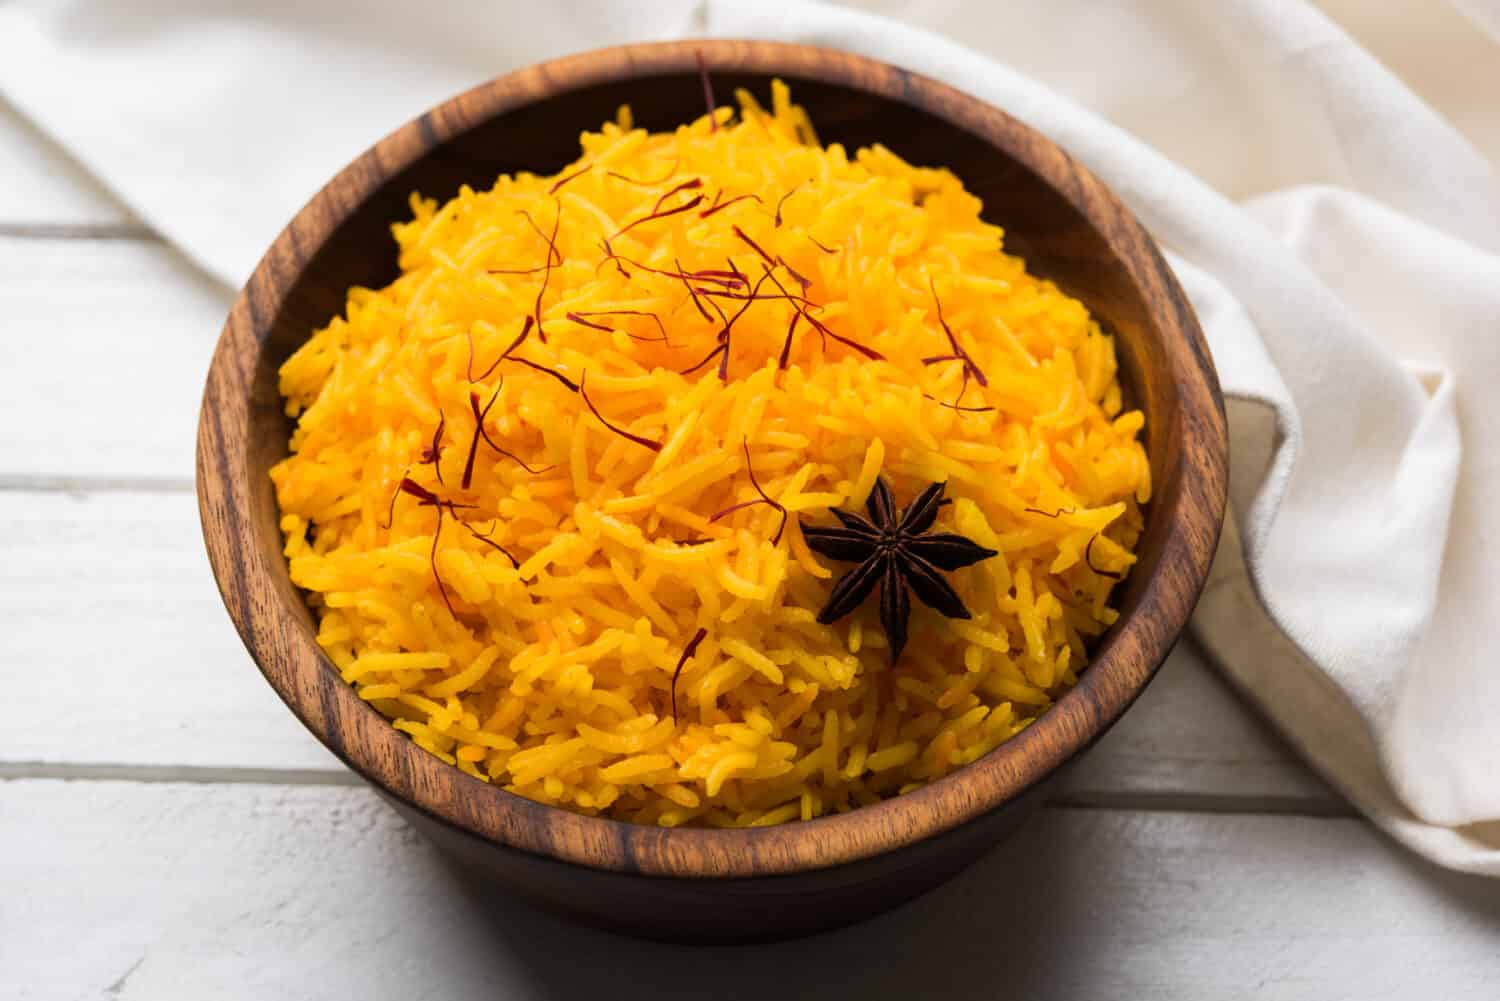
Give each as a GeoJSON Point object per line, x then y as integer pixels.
{"type": "Point", "coordinates": [305, 680]}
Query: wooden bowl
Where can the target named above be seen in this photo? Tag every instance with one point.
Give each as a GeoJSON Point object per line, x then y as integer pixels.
{"type": "Point", "coordinates": [713, 884]}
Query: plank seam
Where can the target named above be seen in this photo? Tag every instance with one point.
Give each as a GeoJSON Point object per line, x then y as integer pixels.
{"type": "Point", "coordinates": [17, 771]}
{"type": "Point", "coordinates": [84, 485]}
{"type": "Point", "coordinates": [1261, 804]}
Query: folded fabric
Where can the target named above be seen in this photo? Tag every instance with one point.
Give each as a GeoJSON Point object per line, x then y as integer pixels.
{"type": "Point", "coordinates": [1342, 247]}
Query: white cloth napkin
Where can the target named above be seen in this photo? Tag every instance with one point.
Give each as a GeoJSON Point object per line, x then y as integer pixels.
{"type": "Point", "coordinates": [1339, 237]}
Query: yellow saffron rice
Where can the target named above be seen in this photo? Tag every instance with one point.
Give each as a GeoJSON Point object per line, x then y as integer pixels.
{"type": "Point", "coordinates": [554, 680]}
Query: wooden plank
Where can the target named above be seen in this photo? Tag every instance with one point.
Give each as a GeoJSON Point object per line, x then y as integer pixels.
{"type": "Point", "coordinates": [151, 674]}
{"type": "Point", "coordinates": [108, 607]}
{"type": "Point", "coordinates": [189, 891]}
{"type": "Point", "coordinates": [1190, 735]}
{"type": "Point", "coordinates": [102, 361]}
{"type": "Point", "coordinates": [44, 186]}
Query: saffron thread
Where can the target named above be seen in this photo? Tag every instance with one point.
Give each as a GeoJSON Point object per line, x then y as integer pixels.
{"type": "Point", "coordinates": [564, 180]}
{"type": "Point", "coordinates": [687, 654]}
{"type": "Point", "coordinates": [654, 446]}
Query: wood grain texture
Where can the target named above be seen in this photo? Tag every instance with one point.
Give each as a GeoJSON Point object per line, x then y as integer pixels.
{"type": "Point", "coordinates": [1056, 214]}
{"type": "Point", "coordinates": [179, 892]}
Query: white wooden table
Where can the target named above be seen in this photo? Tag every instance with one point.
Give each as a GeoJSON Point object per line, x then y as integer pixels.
{"type": "Point", "coordinates": [168, 830]}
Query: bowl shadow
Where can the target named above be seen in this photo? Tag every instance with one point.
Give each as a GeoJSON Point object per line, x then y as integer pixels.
{"type": "Point", "coordinates": [1017, 897]}
{"type": "Point", "coordinates": [1039, 917]}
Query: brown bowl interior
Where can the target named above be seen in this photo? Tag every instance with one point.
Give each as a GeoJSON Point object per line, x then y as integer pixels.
{"type": "Point", "coordinates": [1055, 215]}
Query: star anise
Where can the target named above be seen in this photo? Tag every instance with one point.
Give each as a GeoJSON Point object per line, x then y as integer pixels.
{"type": "Point", "coordinates": [898, 553]}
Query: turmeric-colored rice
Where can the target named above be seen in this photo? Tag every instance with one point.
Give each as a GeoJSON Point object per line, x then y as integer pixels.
{"type": "Point", "coordinates": [555, 679]}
